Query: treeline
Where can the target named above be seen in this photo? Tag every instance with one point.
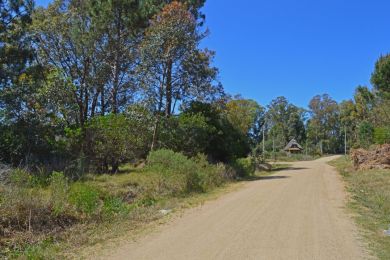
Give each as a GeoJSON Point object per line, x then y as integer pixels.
{"type": "Point", "coordinates": [87, 85]}
{"type": "Point", "coordinates": [94, 83]}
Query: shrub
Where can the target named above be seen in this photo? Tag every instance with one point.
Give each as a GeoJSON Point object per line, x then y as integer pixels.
{"type": "Point", "coordinates": [114, 139]}
{"type": "Point", "coordinates": [85, 198]}
{"type": "Point", "coordinates": [179, 174]}
{"type": "Point", "coordinates": [245, 166]}
{"type": "Point", "coordinates": [59, 188]}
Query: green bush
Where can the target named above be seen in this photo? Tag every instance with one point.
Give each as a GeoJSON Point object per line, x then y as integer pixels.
{"type": "Point", "coordinates": [116, 138]}
{"type": "Point", "coordinates": [177, 172]}
{"type": "Point", "coordinates": [59, 188]}
{"type": "Point", "coordinates": [245, 167]}
{"type": "Point", "coordinates": [85, 198]}
{"type": "Point", "coordinates": [180, 174]}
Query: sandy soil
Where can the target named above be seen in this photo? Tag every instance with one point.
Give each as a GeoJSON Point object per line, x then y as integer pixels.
{"type": "Point", "coordinates": [297, 213]}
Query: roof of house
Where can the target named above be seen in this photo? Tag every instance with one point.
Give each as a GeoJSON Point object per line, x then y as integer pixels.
{"type": "Point", "coordinates": [293, 145]}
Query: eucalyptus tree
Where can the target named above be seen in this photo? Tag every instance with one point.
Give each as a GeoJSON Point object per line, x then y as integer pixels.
{"type": "Point", "coordinates": [172, 68]}
{"type": "Point", "coordinates": [247, 116]}
{"type": "Point", "coordinates": [66, 42]}
{"type": "Point", "coordinates": [324, 128]}
{"type": "Point", "coordinates": [285, 121]}
{"type": "Point", "coordinates": [94, 44]}
{"type": "Point", "coordinates": [15, 54]}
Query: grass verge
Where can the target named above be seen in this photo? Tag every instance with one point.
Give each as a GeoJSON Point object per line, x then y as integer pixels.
{"type": "Point", "coordinates": [370, 203]}
{"type": "Point", "coordinates": [106, 209]}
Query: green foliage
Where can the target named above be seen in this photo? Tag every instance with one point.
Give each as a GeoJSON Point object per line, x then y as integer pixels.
{"type": "Point", "coordinates": [59, 188]}
{"type": "Point", "coordinates": [324, 129]}
{"type": "Point", "coordinates": [182, 174]}
{"type": "Point", "coordinates": [382, 135]}
{"type": "Point", "coordinates": [245, 167]}
{"type": "Point", "coordinates": [244, 114]}
{"type": "Point", "coordinates": [285, 121]}
{"type": "Point", "coordinates": [366, 132]}
{"type": "Point", "coordinates": [84, 198]}
{"type": "Point", "coordinates": [21, 178]}
{"type": "Point", "coordinates": [117, 138]}
{"type": "Point", "coordinates": [186, 133]}
{"type": "Point", "coordinates": [381, 76]}
{"type": "Point", "coordinates": [172, 42]}
{"type": "Point", "coordinates": [225, 142]}
{"type": "Point", "coordinates": [114, 206]}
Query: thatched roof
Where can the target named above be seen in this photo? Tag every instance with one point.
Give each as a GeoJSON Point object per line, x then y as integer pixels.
{"type": "Point", "coordinates": [293, 146]}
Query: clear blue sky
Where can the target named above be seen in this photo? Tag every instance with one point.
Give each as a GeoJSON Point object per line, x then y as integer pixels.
{"type": "Point", "coordinates": [296, 48]}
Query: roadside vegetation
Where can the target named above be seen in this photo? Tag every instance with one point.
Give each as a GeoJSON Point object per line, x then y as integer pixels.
{"type": "Point", "coordinates": [370, 203]}
{"type": "Point", "coordinates": [111, 110]}
{"type": "Point", "coordinates": [41, 217]}
{"type": "Point", "coordinates": [44, 218]}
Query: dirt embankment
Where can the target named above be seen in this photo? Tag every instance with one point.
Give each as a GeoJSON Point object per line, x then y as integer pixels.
{"type": "Point", "coordinates": [377, 158]}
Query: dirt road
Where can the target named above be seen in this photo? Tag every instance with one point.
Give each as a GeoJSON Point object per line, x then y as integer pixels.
{"type": "Point", "coordinates": [298, 213]}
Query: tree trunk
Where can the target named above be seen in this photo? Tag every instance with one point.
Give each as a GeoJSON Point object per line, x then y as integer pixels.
{"type": "Point", "coordinates": [168, 108]}
{"type": "Point", "coordinates": [102, 101]}
{"type": "Point", "coordinates": [114, 167]}
{"type": "Point", "coordinates": [155, 132]}
{"type": "Point", "coordinates": [157, 121]}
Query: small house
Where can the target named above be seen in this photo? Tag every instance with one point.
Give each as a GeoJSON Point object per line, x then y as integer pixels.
{"type": "Point", "coordinates": [293, 147]}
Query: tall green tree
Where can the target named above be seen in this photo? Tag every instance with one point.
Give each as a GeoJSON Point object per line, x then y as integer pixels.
{"type": "Point", "coordinates": [324, 129]}
{"type": "Point", "coordinates": [381, 76]}
{"type": "Point", "coordinates": [172, 68]}
{"type": "Point", "coordinates": [244, 114]}
{"type": "Point", "coordinates": [15, 54]}
{"type": "Point", "coordinates": [285, 121]}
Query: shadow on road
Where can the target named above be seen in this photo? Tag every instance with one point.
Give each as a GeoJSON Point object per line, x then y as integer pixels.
{"type": "Point", "coordinates": [273, 177]}
{"type": "Point", "coordinates": [292, 169]}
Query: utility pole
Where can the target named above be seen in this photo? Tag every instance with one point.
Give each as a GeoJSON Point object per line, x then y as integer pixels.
{"type": "Point", "coordinates": [345, 140]}
{"type": "Point", "coordinates": [273, 146]}
{"type": "Point", "coordinates": [264, 139]}
{"type": "Point", "coordinates": [306, 146]}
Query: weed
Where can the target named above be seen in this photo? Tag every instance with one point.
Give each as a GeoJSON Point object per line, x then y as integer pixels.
{"type": "Point", "coordinates": [85, 198]}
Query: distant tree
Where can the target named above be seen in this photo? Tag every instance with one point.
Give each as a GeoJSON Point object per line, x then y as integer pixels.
{"type": "Point", "coordinates": [225, 142]}
{"type": "Point", "coordinates": [366, 134]}
{"type": "Point", "coordinates": [285, 121]}
{"type": "Point", "coordinates": [349, 120]}
{"type": "Point", "coordinates": [244, 114]}
{"type": "Point", "coordinates": [365, 102]}
{"type": "Point", "coordinates": [381, 76]}
{"type": "Point", "coordinates": [324, 125]}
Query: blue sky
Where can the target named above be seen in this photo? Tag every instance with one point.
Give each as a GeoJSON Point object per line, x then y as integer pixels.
{"type": "Point", "coordinates": [296, 48]}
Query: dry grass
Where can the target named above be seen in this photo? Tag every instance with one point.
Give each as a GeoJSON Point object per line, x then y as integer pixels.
{"type": "Point", "coordinates": [370, 200]}
{"type": "Point", "coordinates": [142, 201]}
